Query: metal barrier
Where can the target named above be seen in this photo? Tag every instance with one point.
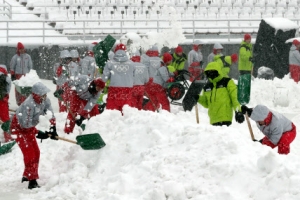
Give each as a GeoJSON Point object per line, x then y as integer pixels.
{"type": "Point", "coordinates": [229, 27]}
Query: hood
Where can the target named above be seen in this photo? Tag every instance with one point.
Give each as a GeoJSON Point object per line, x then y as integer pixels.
{"type": "Point", "coordinates": [214, 66]}
{"type": "Point", "coordinates": [40, 89]}
{"type": "Point", "coordinates": [120, 56]}
{"type": "Point", "coordinates": [226, 58]}
{"type": "Point", "coordinates": [259, 113]}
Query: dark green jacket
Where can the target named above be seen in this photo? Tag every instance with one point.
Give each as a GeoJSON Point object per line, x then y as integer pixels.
{"type": "Point", "coordinates": [179, 62]}
{"type": "Point", "coordinates": [219, 96]}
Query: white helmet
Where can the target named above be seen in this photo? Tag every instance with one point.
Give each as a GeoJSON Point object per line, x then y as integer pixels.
{"type": "Point", "coordinates": [74, 53]}
{"type": "Point", "coordinates": [218, 46]}
{"type": "Point", "coordinates": [198, 42]}
{"type": "Point", "coordinates": [65, 54]}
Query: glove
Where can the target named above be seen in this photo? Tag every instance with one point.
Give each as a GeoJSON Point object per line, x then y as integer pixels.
{"type": "Point", "coordinates": [247, 110]}
{"type": "Point", "coordinates": [196, 97]}
{"type": "Point", "coordinates": [52, 132]}
{"type": "Point", "coordinates": [250, 59]}
{"type": "Point", "coordinates": [58, 93]}
{"type": "Point", "coordinates": [101, 107]}
{"type": "Point", "coordinates": [41, 135]}
{"type": "Point", "coordinates": [79, 121]}
{"type": "Point", "coordinates": [13, 77]}
{"type": "Point", "coordinates": [239, 117]}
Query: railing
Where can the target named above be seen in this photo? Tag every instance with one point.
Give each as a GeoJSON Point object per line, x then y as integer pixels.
{"type": "Point", "coordinates": [228, 28]}
{"type": "Point", "coordinates": [7, 9]}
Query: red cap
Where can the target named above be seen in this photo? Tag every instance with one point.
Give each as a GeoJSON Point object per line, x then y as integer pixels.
{"type": "Point", "coordinates": [296, 42]}
{"type": "Point", "coordinates": [247, 36]}
{"type": "Point", "coordinates": [99, 83]}
{"type": "Point", "coordinates": [178, 49]}
{"type": "Point", "coordinates": [120, 47]}
{"type": "Point", "coordinates": [234, 58]}
{"type": "Point", "coordinates": [167, 57]}
{"type": "Point", "coordinates": [20, 46]}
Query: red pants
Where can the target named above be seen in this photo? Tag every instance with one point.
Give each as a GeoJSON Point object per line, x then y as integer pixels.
{"type": "Point", "coordinates": [118, 97]}
{"type": "Point", "coordinates": [138, 96]}
{"type": "Point", "coordinates": [157, 96]}
{"type": "Point", "coordinates": [77, 108]}
{"type": "Point", "coordinates": [29, 147]}
{"type": "Point", "coordinates": [295, 72]}
{"type": "Point", "coordinates": [284, 142]}
{"type": "Point", "coordinates": [4, 115]}
{"type": "Point", "coordinates": [19, 97]}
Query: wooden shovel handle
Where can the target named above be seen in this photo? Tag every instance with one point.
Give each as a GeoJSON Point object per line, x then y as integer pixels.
{"type": "Point", "coordinates": [249, 126]}
{"type": "Point", "coordinates": [197, 115]}
{"type": "Point", "coordinates": [64, 139]}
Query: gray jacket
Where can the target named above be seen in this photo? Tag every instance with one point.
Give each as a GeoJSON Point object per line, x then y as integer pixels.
{"type": "Point", "coordinates": [81, 84]}
{"type": "Point", "coordinates": [29, 111]}
{"type": "Point", "coordinates": [294, 56]}
{"type": "Point", "coordinates": [141, 75]}
{"type": "Point", "coordinates": [120, 71]}
{"type": "Point", "coordinates": [161, 76]}
{"type": "Point", "coordinates": [194, 56]}
{"type": "Point", "coordinates": [88, 67]}
{"type": "Point", "coordinates": [279, 123]}
{"type": "Point", "coordinates": [71, 71]}
{"type": "Point", "coordinates": [8, 80]}
{"type": "Point", "coordinates": [21, 64]}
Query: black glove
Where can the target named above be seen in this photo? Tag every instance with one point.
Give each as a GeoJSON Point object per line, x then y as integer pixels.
{"type": "Point", "coordinates": [196, 97]}
{"type": "Point", "coordinates": [41, 135]}
{"type": "Point", "coordinates": [247, 110]}
{"type": "Point", "coordinates": [251, 59]}
{"type": "Point", "coordinates": [53, 133]}
{"type": "Point", "coordinates": [54, 81]}
{"type": "Point", "coordinates": [79, 121]}
{"type": "Point", "coordinates": [101, 107]}
{"type": "Point", "coordinates": [13, 77]}
{"type": "Point", "coordinates": [239, 117]}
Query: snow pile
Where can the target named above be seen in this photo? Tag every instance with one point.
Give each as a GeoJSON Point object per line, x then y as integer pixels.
{"type": "Point", "coordinates": [28, 80]}
{"type": "Point", "coordinates": [150, 155]}
{"type": "Point", "coordinates": [281, 23]}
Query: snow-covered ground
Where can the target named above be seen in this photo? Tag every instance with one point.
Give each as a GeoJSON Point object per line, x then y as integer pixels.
{"type": "Point", "coordinates": [158, 156]}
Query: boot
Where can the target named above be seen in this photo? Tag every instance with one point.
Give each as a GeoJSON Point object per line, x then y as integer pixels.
{"type": "Point", "coordinates": [33, 184]}
{"type": "Point", "coordinates": [24, 179]}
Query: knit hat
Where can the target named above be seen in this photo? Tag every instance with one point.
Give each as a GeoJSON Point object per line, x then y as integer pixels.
{"type": "Point", "coordinates": [20, 46]}
{"type": "Point", "coordinates": [247, 36]}
{"type": "Point", "coordinates": [167, 57]}
{"type": "Point", "coordinates": [120, 47]}
{"type": "Point", "coordinates": [152, 51]}
{"type": "Point", "coordinates": [234, 58]}
{"type": "Point", "coordinates": [178, 49]}
{"type": "Point", "coordinates": [74, 53]}
{"type": "Point", "coordinates": [296, 42]}
{"type": "Point", "coordinates": [136, 58]}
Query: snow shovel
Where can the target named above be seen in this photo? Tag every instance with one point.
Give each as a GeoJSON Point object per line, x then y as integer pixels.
{"type": "Point", "coordinates": [5, 148]}
{"type": "Point", "coordinates": [91, 141]}
{"type": "Point", "coordinates": [5, 125]}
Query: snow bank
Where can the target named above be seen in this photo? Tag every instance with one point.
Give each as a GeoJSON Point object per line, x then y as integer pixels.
{"type": "Point", "coordinates": [28, 80]}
